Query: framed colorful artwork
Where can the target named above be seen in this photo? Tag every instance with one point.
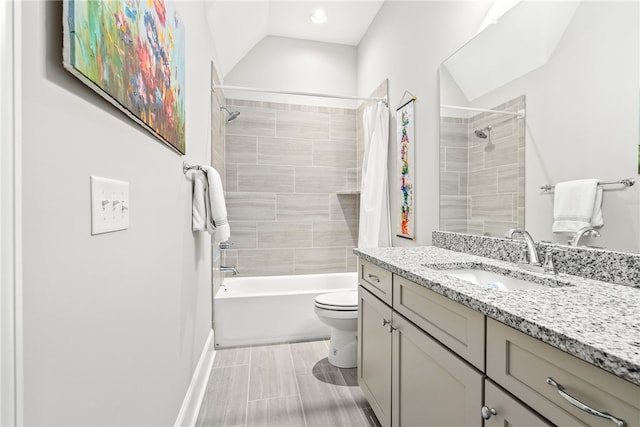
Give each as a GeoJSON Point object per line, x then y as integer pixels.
{"type": "Point", "coordinates": [406, 167]}
{"type": "Point", "coordinates": [132, 53]}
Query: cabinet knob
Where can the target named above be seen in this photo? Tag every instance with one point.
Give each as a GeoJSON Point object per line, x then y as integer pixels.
{"type": "Point", "coordinates": [488, 412]}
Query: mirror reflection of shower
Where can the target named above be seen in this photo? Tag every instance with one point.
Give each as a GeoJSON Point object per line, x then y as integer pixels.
{"type": "Point", "coordinates": [485, 133]}
{"type": "Point", "coordinates": [231, 115]}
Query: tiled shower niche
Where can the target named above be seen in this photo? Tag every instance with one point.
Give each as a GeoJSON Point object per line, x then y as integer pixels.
{"type": "Point", "coordinates": [286, 167]}
{"type": "Point", "coordinates": [482, 179]}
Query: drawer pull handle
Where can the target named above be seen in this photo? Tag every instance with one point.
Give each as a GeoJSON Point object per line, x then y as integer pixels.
{"type": "Point", "coordinates": [575, 402]}
{"type": "Point", "coordinates": [389, 325]}
{"type": "Point", "coordinates": [373, 278]}
{"type": "Point", "coordinates": [487, 413]}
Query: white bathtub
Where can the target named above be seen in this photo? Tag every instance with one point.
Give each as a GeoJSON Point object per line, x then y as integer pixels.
{"type": "Point", "coordinates": [273, 309]}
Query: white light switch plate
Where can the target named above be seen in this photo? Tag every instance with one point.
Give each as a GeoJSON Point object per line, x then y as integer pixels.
{"type": "Point", "coordinates": [109, 205]}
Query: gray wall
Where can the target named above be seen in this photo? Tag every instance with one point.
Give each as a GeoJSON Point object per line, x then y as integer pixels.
{"type": "Point", "coordinates": [284, 165]}
{"type": "Point", "coordinates": [112, 326]}
{"type": "Point", "coordinates": [406, 44]}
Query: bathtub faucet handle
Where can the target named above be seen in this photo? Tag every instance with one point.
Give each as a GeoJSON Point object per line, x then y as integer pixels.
{"type": "Point", "coordinates": [224, 269]}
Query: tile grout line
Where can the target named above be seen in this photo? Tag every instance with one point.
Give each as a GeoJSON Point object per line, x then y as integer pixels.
{"type": "Point", "coordinates": [295, 375]}
{"type": "Point", "coordinates": [246, 407]}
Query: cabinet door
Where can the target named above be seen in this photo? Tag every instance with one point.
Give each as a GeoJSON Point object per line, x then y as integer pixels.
{"type": "Point", "coordinates": [508, 410]}
{"type": "Point", "coordinates": [374, 354]}
{"type": "Point", "coordinates": [431, 385]}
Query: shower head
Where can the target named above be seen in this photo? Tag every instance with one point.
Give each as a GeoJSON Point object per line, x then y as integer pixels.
{"type": "Point", "coordinates": [483, 133]}
{"type": "Point", "coordinates": [232, 115]}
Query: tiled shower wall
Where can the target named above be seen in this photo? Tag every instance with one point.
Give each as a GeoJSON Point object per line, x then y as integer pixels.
{"type": "Point", "coordinates": [286, 166]}
{"type": "Point", "coordinates": [482, 190]}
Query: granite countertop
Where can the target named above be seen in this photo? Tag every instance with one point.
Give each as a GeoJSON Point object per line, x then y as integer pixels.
{"type": "Point", "coordinates": [596, 321]}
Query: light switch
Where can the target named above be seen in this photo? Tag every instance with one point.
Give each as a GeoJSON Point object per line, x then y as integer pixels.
{"type": "Point", "coordinates": [109, 205]}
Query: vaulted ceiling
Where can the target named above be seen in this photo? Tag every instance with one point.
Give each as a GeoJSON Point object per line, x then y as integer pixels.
{"type": "Point", "coordinates": [238, 25]}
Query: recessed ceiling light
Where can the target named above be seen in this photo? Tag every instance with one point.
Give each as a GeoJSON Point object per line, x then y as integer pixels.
{"type": "Point", "coordinates": [318, 17]}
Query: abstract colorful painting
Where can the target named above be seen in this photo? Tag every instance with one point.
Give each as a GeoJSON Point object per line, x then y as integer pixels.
{"type": "Point", "coordinates": [133, 54]}
{"type": "Point", "coordinates": [406, 142]}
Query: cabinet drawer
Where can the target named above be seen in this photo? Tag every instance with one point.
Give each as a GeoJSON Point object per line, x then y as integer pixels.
{"type": "Point", "coordinates": [509, 411]}
{"type": "Point", "coordinates": [376, 280]}
{"type": "Point", "coordinates": [459, 328]}
{"type": "Point", "coordinates": [522, 365]}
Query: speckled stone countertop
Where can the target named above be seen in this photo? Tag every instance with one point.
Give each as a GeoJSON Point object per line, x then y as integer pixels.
{"type": "Point", "coordinates": [598, 322]}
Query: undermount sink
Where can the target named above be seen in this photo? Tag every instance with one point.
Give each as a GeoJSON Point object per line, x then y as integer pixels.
{"type": "Point", "coordinates": [491, 280]}
{"type": "Point", "coordinates": [499, 278]}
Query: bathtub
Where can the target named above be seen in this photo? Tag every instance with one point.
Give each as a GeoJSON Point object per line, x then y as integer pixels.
{"type": "Point", "coordinates": [273, 309]}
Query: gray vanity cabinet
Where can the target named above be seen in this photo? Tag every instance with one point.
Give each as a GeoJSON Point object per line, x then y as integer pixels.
{"type": "Point", "coordinates": [374, 354]}
{"type": "Point", "coordinates": [430, 385]}
{"type": "Point", "coordinates": [503, 410]}
{"type": "Point", "coordinates": [407, 376]}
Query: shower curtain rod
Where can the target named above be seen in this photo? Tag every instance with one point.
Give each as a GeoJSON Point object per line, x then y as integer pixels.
{"type": "Point", "coordinates": [290, 92]}
{"type": "Point", "coordinates": [483, 110]}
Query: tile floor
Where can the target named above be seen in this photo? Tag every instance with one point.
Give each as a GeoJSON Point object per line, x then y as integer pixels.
{"type": "Point", "coordinates": [282, 385]}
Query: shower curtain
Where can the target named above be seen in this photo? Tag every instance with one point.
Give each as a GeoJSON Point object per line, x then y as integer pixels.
{"type": "Point", "coordinates": [374, 229]}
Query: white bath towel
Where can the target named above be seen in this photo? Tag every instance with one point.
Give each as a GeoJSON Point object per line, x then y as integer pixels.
{"type": "Point", "coordinates": [577, 204]}
{"type": "Point", "coordinates": [217, 224]}
{"type": "Point", "coordinates": [200, 201]}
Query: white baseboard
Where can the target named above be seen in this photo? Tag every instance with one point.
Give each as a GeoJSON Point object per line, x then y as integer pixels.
{"type": "Point", "coordinates": [195, 393]}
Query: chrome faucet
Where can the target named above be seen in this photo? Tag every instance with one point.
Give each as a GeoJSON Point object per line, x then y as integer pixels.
{"type": "Point", "coordinates": [532, 252]}
{"type": "Point", "coordinates": [224, 269]}
{"type": "Point", "coordinates": [584, 231]}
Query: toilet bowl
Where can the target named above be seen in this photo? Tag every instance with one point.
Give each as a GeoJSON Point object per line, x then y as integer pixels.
{"type": "Point", "coordinates": [339, 310]}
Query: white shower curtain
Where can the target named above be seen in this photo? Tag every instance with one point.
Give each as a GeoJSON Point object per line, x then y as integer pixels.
{"type": "Point", "coordinates": [374, 228]}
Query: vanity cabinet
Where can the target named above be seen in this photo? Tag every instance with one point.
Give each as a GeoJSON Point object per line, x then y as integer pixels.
{"type": "Point", "coordinates": [374, 354]}
{"type": "Point", "coordinates": [426, 360]}
{"type": "Point", "coordinates": [533, 371]}
{"type": "Point", "coordinates": [502, 409]}
{"type": "Point", "coordinates": [408, 377]}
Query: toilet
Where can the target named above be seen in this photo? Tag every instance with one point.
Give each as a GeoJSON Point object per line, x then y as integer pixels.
{"type": "Point", "coordinates": [339, 310]}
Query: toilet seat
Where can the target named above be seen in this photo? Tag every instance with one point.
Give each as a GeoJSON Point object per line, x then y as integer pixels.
{"type": "Point", "coordinates": [338, 301]}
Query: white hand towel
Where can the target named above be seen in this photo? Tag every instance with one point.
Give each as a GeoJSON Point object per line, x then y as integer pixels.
{"type": "Point", "coordinates": [217, 224]}
{"type": "Point", "coordinates": [200, 201]}
{"type": "Point", "coordinates": [577, 204]}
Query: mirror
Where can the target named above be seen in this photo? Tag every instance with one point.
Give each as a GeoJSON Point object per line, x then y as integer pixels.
{"type": "Point", "coordinates": [561, 83]}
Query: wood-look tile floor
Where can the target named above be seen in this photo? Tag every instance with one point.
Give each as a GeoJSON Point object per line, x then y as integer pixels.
{"type": "Point", "coordinates": [282, 385]}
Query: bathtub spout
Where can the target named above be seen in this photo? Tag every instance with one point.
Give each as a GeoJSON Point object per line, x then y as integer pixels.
{"type": "Point", "coordinates": [224, 269]}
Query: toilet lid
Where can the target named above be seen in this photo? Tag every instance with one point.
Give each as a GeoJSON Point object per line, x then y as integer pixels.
{"type": "Point", "coordinates": [347, 300]}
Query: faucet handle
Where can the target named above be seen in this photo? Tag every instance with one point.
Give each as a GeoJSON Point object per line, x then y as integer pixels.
{"type": "Point", "coordinates": [524, 257]}
{"type": "Point", "coordinates": [225, 245]}
{"type": "Point", "coordinates": [548, 265]}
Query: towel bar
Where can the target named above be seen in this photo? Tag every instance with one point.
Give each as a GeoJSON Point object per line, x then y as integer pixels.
{"type": "Point", "coordinates": [186, 167]}
{"type": "Point", "coordinates": [627, 182]}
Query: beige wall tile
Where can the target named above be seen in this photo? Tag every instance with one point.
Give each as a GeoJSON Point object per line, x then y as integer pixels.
{"type": "Point", "coordinates": [301, 124]}
{"type": "Point", "coordinates": [285, 234]}
{"type": "Point", "coordinates": [231, 178]}
{"type": "Point", "coordinates": [344, 206]}
{"type": "Point", "coordinates": [449, 183]}
{"type": "Point", "coordinates": [492, 207]}
{"type": "Point", "coordinates": [320, 260]}
{"type": "Point", "coordinates": [320, 180]}
{"type": "Point", "coordinates": [337, 154]}
{"type": "Point", "coordinates": [253, 121]}
{"type": "Point", "coordinates": [498, 228]}
{"type": "Point", "coordinates": [264, 178]}
{"type": "Point", "coordinates": [303, 207]}
{"type": "Point", "coordinates": [455, 159]}
{"type": "Point", "coordinates": [241, 149]}
{"type": "Point", "coordinates": [285, 151]}
{"type": "Point", "coordinates": [243, 234]}
{"type": "Point", "coordinates": [508, 179]}
{"type": "Point", "coordinates": [335, 234]}
{"type": "Point", "coordinates": [483, 182]}
{"type": "Point", "coordinates": [265, 262]}
{"type": "Point", "coordinates": [453, 207]}
{"type": "Point", "coordinates": [343, 127]}
{"type": "Point", "coordinates": [251, 206]}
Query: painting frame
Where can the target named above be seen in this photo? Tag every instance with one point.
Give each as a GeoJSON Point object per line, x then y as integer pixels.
{"type": "Point", "coordinates": [132, 53]}
{"type": "Point", "coordinates": [405, 126]}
